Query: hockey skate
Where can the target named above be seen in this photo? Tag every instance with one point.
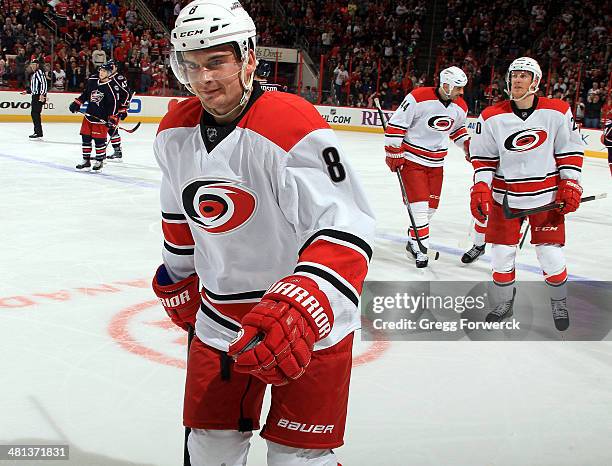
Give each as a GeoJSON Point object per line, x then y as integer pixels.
{"type": "Point", "coordinates": [97, 166]}
{"type": "Point", "coordinates": [560, 313]}
{"type": "Point", "coordinates": [502, 311]}
{"type": "Point", "coordinates": [473, 254]}
{"type": "Point", "coordinates": [421, 259]}
{"type": "Point", "coordinates": [117, 156]}
{"type": "Point", "coordinates": [85, 165]}
{"type": "Point", "coordinates": [35, 136]}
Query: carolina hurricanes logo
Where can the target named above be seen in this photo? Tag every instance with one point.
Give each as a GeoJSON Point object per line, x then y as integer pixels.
{"type": "Point", "coordinates": [217, 205]}
{"type": "Point", "coordinates": [440, 123]}
{"type": "Point", "coordinates": [525, 140]}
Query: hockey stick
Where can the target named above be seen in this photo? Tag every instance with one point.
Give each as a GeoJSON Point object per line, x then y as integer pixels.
{"type": "Point", "coordinates": [524, 230]}
{"type": "Point", "coordinates": [104, 122]}
{"type": "Point", "coordinates": [186, 459]}
{"type": "Point", "coordinates": [431, 252]}
{"type": "Point", "coordinates": [509, 214]}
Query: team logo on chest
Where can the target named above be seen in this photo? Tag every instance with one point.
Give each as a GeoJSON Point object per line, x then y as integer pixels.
{"type": "Point", "coordinates": [96, 96]}
{"type": "Point", "coordinates": [218, 205]}
{"type": "Point", "coordinates": [440, 123]}
{"type": "Point", "coordinates": [526, 139]}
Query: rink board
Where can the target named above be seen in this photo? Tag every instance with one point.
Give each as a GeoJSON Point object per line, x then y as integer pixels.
{"type": "Point", "coordinates": [150, 109]}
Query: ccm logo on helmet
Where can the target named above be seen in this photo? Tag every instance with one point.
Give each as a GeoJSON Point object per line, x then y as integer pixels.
{"type": "Point", "coordinates": [525, 140]}
{"type": "Point", "coordinates": [218, 206]}
{"type": "Point", "coordinates": [191, 33]}
{"type": "Point", "coordinates": [440, 123]}
{"type": "Point", "coordinates": [310, 428]}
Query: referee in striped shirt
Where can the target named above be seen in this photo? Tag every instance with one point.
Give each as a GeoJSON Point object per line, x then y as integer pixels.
{"type": "Point", "coordinates": [38, 89]}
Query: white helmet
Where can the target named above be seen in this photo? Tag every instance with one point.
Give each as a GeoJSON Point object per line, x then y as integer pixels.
{"type": "Point", "coordinates": [204, 24]}
{"type": "Point", "coordinates": [524, 64]}
{"type": "Point", "coordinates": [454, 77]}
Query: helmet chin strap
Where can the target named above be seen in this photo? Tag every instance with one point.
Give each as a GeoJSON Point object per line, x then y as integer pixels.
{"type": "Point", "coordinates": [450, 90]}
{"type": "Point", "coordinates": [529, 92]}
{"type": "Point", "coordinates": [247, 87]}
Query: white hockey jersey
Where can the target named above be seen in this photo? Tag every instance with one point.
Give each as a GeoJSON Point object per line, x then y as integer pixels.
{"type": "Point", "coordinates": [526, 152]}
{"type": "Point", "coordinates": [422, 124]}
{"type": "Point", "coordinates": [247, 204]}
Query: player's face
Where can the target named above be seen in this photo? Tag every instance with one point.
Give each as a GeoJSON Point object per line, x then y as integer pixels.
{"type": "Point", "coordinates": [519, 83]}
{"type": "Point", "coordinates": [456, 92]}
{"type": "Point", "coordinates": [214, 75]}
{"type": "Point", "coordinates": [103, 73]}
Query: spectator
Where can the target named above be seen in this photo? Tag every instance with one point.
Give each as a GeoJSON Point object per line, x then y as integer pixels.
{"type": "Point", "coordinates": [592, 111]}
{"type": "Point", "coordinates": [341, 76]}
{"type": "Point", "coordinates": [20, 68]}
{"type": "Point", "coordinates": [59, 78]}
{"type": "Point", "coordinates": [98, 56]}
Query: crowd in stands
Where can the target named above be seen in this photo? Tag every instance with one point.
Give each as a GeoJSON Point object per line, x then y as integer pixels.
{"type": "Point", "coordinates": [369, 48]}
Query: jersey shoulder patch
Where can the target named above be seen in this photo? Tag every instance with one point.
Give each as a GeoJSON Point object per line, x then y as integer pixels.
{"type": "Point", "coordinates": [421, 94]}
{"type": "Point", "coordinates": [282, 118]}
{"type": "Point", "coordinates": [559, 105]}
{"type": "Point", "coordinates": [497, 109]}
{"type": "Point", "coordinates": [186, 113]}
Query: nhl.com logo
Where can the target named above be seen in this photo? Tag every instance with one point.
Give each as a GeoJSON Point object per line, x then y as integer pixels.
{"type": "Point", "coordinates": [218, 205]}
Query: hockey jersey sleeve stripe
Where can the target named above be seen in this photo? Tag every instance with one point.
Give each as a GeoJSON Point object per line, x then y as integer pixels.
{"type": "Point", "coordinates": [396, 126]}
{"type": "Point", "coordinates": [178, 234]}
{"type": "Point", "coordinates": [569, 161]}
{"type": "Point", "coordinates": [354, 240]}
{"type": "Point", "coordinates": [458, 133]}
{"type": "Point", "coordinates": [348, 263]}
{"type": "Point", "coordinates": [503, 191]}
{"type": "Point", "coordinates": [393, 149]}
{"type": "Point", "coordinates": [329, 277]}
{"type": "Point", "coordinates": [178, 250]}
{"type": "Point", "coordinates": [391, 131]}
{"type": "Point", "coordinates": [168, 216]}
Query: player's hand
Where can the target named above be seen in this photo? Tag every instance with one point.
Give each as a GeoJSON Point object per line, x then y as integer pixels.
{"type": "Point", "coordinates": [122, 114]}
{"type": "Point", "coordinates": [75, 106]}
{"type": "Point", "coordinates": [481, 201]}
{"type": "Point", "coordinates": [42, 98]}
{"type": "Point", "coordinates": [395, 161]}
{"type": "Point", "coordinates": [113, 121]}
{"type": "Point", "coordinates": [278, 334]}
{"type": "Point", "coordinates": [181, 300]}
{"type": "Point", "coordinates": [569, 194]}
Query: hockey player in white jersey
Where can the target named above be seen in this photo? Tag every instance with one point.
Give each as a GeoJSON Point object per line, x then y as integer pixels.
{"type": "Point", "coordinates": [266, 247]}
{"type": "Point", "coordinates": [416, 142]}
{"type": "Point", "coordinates": [529, 147]}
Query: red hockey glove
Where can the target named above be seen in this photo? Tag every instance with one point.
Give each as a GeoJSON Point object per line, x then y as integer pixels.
{"type": "Point", "coordinates": [278, 334]}
{"type": "Point", "coordinates": [180, 300]}
{"type": "Point", "coordinates": [481, 201]}
{"type": "Point", "coordinates": [113, 121]}
{"type": "Point", "coordinates": [466, 150]}
{"type": "Point", "coordinates": [395, 161]}
{"type": "Point", "coordinates": [569, 194]}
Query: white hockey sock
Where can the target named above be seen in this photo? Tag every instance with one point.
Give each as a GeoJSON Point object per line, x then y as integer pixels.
{"type": "Point", "coordinates": [214, 447]}
{"type": "Point", "coordinates": [502, 264]}
{"type": "Point", "coordinates": [281, 455]}
{"type": "Point", "coordinates": [420, 212]}
{"type": "Point", "coordinates": [552, 261]}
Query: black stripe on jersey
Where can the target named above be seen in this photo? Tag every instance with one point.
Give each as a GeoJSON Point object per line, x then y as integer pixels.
{"type": "Point", "coordinates": [456, 131]}
{"type": "Point", "coordinates": [177, 251]}
{"type": "Point", "coordinates": [484, 158]}
{"type": "Point", "coordinates": [459, 138]}
{"type": "Point", "coordinates": [341, 235]}
{"type": "Point", "coordinates": [401, 136]}
{"type": "Point", "coordinates": [485, 169]}
{"type": "Point", "coordinates": [425, 148]}
{"type": "Point", "coordinates": [333, 281]}
{"type": "Point", "coordinates": [532, 193]}
{"type": "Point", "coordinates": [234, 296]}
{"type": "Point", "coordinates": [168, 216]}
{"type": "Point", "coordinates": [395, 125]}
{"type": "Point", "coordinates": [429, 159]}
{"type": "Point", "coordinates": [533, 178]}
{"type": "Point", "coordinates": [570, 167]}
{"type": "Point", "coordinates": [565, 154]}
{"type": "Point", "coordinates": [218, 319]}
